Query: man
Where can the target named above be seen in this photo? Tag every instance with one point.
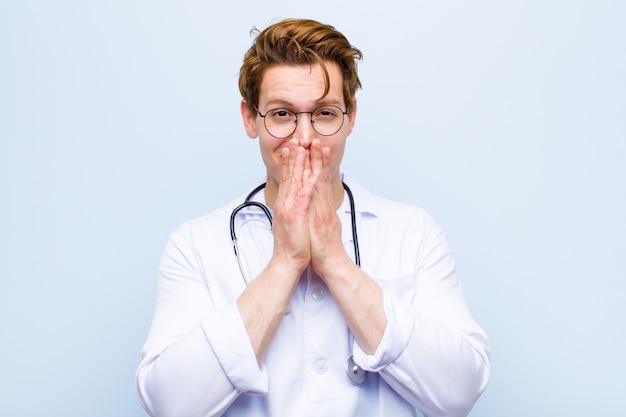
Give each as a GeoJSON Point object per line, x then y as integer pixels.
{"type": "Point", "coordinates": [291, 325]}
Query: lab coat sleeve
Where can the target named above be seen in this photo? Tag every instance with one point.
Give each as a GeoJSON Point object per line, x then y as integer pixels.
{"type": "Point", "coordinates": [198, 358]}
{"type": "Point", "coordinates": [432, 352]}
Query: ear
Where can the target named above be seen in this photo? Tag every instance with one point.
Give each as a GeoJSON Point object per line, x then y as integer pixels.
{"type": "Point", "coordinates": [249, 120]}
{"type": "Point", "coordinates": [351, 118]}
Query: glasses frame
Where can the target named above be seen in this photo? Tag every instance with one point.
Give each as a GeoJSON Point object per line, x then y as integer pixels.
{"type": "Point", "coordinates": [295, 125]}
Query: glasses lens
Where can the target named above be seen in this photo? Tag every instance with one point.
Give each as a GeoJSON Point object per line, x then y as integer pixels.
{"type": "Point", "coordinates": [327, 120]}
{"type": "Point", "coordinates": [280, 123]}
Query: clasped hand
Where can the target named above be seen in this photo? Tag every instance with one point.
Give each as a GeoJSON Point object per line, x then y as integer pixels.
{"type": "Point", "coordinates": [307, 230]}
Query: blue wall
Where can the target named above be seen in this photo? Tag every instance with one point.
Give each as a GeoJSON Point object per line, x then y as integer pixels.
{"type": "Point", "coordinates": [506, 120]}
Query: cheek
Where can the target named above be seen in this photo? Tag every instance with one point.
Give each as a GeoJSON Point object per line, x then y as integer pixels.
{"type": "Point", "coordinates": [336, 155]}
{"type": "Point", "coordinates": [271, 153]}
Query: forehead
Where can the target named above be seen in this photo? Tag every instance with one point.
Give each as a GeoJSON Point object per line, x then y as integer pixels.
{"type": "Point", "coordinates": [300, 85]}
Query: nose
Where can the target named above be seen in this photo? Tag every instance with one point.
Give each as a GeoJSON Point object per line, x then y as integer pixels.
{"type": "Point", "coordinates": [304, 130]}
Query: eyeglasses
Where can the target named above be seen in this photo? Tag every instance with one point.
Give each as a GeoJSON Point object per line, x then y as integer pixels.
{"type": "Point", "coordinates": [281, 123]}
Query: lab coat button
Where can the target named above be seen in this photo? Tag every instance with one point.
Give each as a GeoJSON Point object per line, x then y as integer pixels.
{"type": "Point", "coordinates": [318, 294]}
{"type": "Point", "coordinates": [321, 366]}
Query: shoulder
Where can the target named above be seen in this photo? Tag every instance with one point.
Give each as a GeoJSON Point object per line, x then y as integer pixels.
{"type": "Point", "coordinates": [394, 237]}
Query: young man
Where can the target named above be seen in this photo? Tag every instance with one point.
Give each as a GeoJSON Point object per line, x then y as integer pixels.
{"type": "Point", "coordinates": [349, 305]}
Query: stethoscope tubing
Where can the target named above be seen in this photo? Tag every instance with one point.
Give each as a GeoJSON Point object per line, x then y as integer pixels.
{"type": "Point", "coordinates": [355, 239]}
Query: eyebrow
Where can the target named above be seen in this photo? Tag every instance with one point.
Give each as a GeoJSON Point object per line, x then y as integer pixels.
{"type": "Point", "coordinates": [279, 104]}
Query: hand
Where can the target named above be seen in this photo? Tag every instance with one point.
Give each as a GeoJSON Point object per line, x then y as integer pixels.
{"type": "Point", "coordinates": [290, 223]}
{"type": "Point", "coordinates": [324, 224]}
{"type": "Point", "coordinates": [358, 296]}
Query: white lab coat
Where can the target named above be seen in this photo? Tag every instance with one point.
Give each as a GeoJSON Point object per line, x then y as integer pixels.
{"type": "Point", "coordinates": [198, 360]}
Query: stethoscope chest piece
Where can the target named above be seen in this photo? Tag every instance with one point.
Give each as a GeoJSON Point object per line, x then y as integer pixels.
{"type": "Point", "coordinates": [356, 374]}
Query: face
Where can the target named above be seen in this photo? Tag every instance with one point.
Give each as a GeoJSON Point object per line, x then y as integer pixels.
{"type": "Point", "coordinates": [298, 88]}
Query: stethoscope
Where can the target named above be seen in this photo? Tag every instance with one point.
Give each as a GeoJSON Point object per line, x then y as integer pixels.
{"type": "Point", "coordinates": [355, 373]}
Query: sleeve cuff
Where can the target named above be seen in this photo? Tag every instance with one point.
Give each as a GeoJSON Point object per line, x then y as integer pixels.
{"type": "Point", "coordinates": [230, 342]}
{"type": "Point", "coordinates": [400, 320]}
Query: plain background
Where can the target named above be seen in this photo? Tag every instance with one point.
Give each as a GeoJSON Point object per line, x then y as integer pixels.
{"type": "Point", "coordinates": [504, 119]}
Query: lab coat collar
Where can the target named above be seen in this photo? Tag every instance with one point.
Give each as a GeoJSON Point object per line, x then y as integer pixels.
{"type": "Point", "coordinates": [363, 199]}
{"type": "Point", "coordinates": [363, 205]}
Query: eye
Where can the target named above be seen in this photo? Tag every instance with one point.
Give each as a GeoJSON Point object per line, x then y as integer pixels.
{"type": "Point", "coordinates": [280, 115]}
{"type": "Point", "coordinates": [326, 113]}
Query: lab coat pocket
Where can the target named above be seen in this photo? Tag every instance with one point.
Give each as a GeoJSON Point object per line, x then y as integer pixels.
{"type": "Point", "coordinates": [401, 287]}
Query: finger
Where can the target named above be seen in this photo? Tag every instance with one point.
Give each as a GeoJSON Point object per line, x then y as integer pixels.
{"type": "Point", "coordinates": [323, 198]}
{"type": "Point", "coordinates": [293, 154]}
{"type": "Point", "coordinates": [285, 157]}
{"type": "Point", "coordinates": [289, 156]}
{"type": "Point", "coordinates": [284, 173]}
{"type": "Point", "coordinates": [306, 175]}
{"type": "Point", "coordinates": [326, 163]}
{"type": "Point", "coordinates": [316, 156]}
{"type": "Point", "coordinates": [309, 186]}
{"type": "Point", "coordinates": [299, 165]}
